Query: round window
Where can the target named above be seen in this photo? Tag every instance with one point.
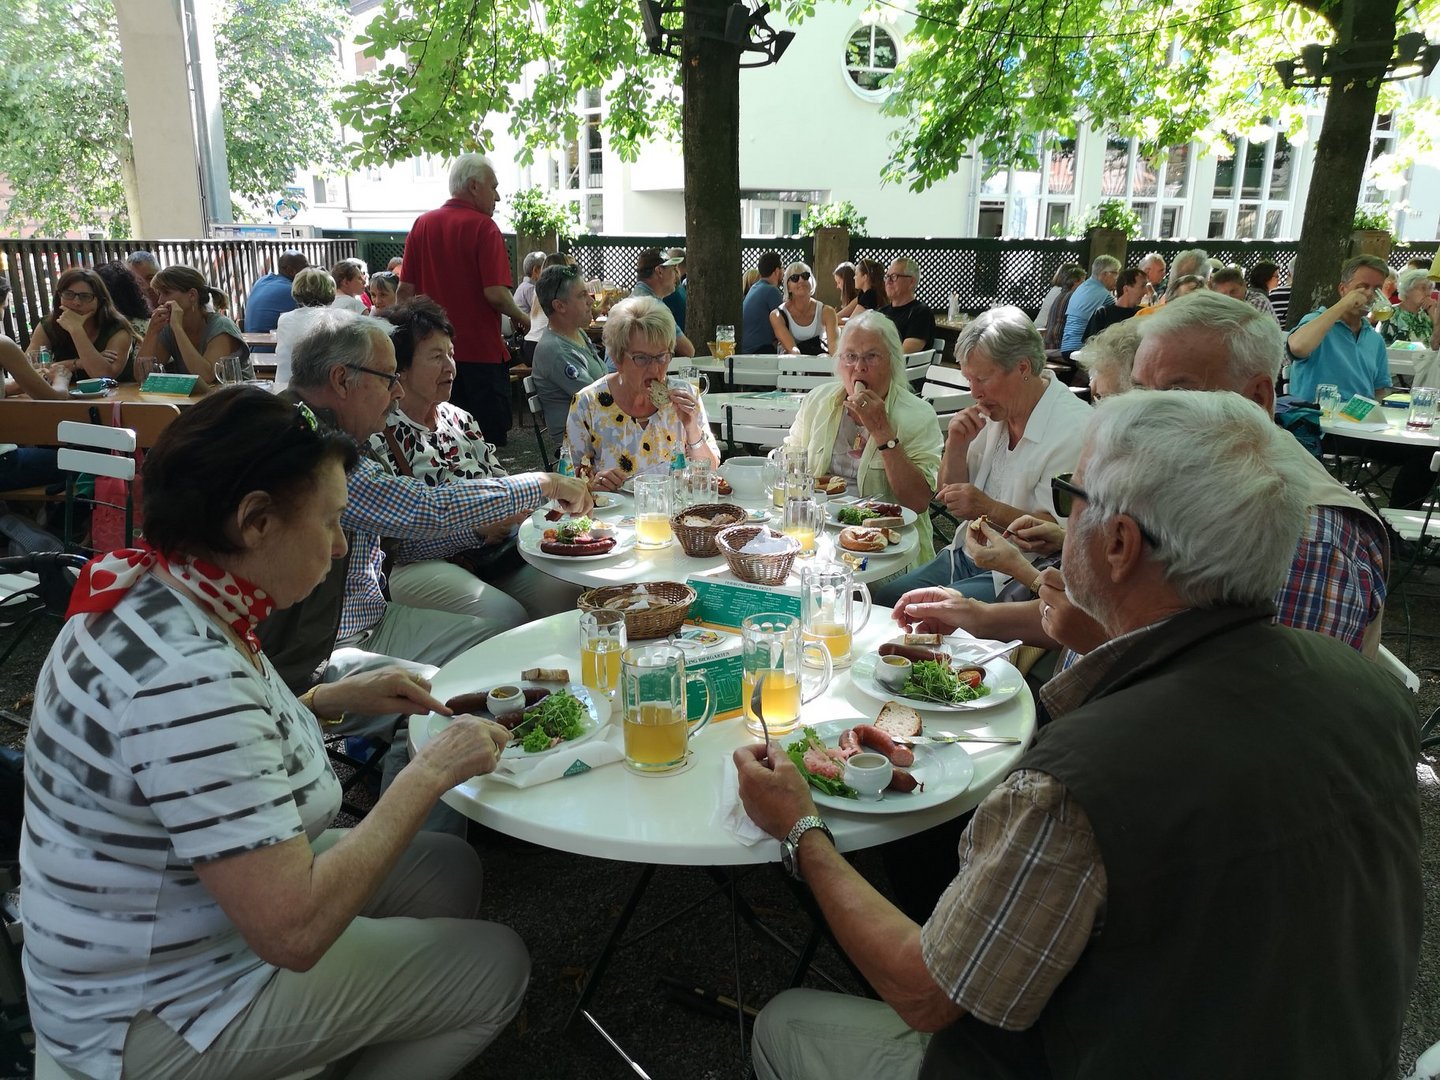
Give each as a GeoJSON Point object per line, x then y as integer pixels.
{"type": "Point", "coordinates": [871, 54]}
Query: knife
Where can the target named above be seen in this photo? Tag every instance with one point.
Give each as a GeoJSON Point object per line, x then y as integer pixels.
{"type": "Point", "coordinates": [944, 738]}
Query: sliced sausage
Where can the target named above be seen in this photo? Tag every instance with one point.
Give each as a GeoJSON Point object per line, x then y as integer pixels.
{"type": "Point", "coordinates": [874, 738]}
{"type": "Point", "coordinates": [510, 720]}
{"type": "Point", "coordinates": [534, 695]}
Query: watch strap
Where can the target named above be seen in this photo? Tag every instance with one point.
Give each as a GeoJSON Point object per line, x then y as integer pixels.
{"type": "Point", "coordinates": [891, 444]}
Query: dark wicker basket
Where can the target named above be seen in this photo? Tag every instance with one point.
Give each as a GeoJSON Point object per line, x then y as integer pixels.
{"type": "Point", "coordinates": [645, 623]}
{"type": "Point", "coordinates": [699, 540]}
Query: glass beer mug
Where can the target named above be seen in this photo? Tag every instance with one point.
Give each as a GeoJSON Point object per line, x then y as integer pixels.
{"type": "Point", "coordinates": [653, 683]}
{"type": "Point", "coordinates": [775, 656]}
{"type": "Point", "coordinates": [833, 607]}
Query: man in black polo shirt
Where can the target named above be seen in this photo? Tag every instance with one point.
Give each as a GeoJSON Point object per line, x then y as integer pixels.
{"type": "Point", "coordinates": [914, 320]}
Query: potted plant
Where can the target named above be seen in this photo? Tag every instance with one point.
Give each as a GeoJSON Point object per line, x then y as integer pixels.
{"type": "Point", "coordinates": [833, 215]}
{"type": "Point", "coordinates": [1371, 231]}
{"type": "Point", "coordinates": [540, 221]}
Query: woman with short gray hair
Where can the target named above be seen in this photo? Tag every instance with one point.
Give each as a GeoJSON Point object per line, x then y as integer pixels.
{"type": "Point", "coordinates": [314, 290]}
{"type": "Point", "coordinates": [1000, 453]}
{"type": "Point", "coordinates": [637, 420]}
{"type": "Point", "coordinates": [1414, 318]}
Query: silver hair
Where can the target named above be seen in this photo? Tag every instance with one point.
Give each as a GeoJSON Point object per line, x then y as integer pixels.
{"type": "Point", "coordinates": [313, 287]}
{"type": "Point", "coordinates": [335, 339]}
{"type": "Point", "coordinates": [639, 313]}
{"type": "Point", "coordinates": [532, 261]}
{"type": "Point", "coordinates": [1006, 335]}
{"type": "Point", "coordinates": [1111, 354]}
{"type": "Point", "coordinates": [798, 268]}
{"type": "Point", "coordinates": [468, 167]}
{"type": "Point", "coordinates": [884, 327]}
{"type": "Point", "coordinates": [143, 258]}
{"type": "Point", "coordinates": [909, 266]}
{"type": "Point", "coordinates": [1253, 340]}
{"type": "Point", "coordinates": [1409, 279]}
{"type": "Point", "coordinates": [1227, 535]}
{"type": "Point", "coordinates": [1153, 257]}
{"type": "Point", "coordinates": [1103, 264]}
{"type": "Point", "coordinates": [1191, 261]}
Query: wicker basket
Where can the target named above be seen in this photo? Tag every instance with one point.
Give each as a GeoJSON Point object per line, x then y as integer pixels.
{"type": "Point", "coordinates": [769, 569]}
{"type": "Point", "coordinates": [699, 540]}
{"type": "Point", "coordinates": [650, 622]}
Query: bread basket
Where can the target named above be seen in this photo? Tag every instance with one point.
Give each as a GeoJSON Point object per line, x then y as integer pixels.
{"type": "Point", "coordinates": [699, 540]}
{"type": "Point", "coordinates": [771, 568]}
{"type": "Point", "coordinates": [666, 603]}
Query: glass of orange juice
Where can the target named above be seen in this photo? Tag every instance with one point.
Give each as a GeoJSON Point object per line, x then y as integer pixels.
{"type": "Point", "coordinates": [775, 658]}
{"type": "Point", "coordinates": [654, 503]}
{"type": "Point", "coordinates": [833, 608]}
{"type": "Point", "coordinates": [802, 520]}
{"type": "Point", "coordinates": [654, 704]}
{"type": "Point", "coordinates": [602, 640]}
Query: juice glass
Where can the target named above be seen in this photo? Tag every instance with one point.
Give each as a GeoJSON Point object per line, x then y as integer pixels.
{"type": "Point", "coordinates": [654, 503]}
{"type": "Point", "coordinates": [830, 610]}
{"type": "Point", "coordinates": [602, 640]}
{"type": "Point", "coordinates": [775, 656]}
{"type": "Point", "coordinates": [653, 683]}
{"type": "Point", "coordinates": [802, 520]}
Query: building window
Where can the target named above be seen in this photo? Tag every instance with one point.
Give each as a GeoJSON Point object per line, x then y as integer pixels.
{"type": "Point", "coordinates": [1247, 222]}
{"type": "Point", "coordinates": [871, 55]}
{"type": "Point", "coordinates": [1274, 222]}
{"type": "Point", "coordinates": [1219, 223]}
{"type": "Point", "coordinates": [767, 221]}
{"type": "Point", "coordinates": [1177, 173]}
{"type": "Point", "coordinates": [1170, 221]}
{"type": "Point", "coordinates": [1281, 168]}
{"type": "Point", "coordinates": [595, 213]}
{"type": "Point", "coordinates": [1253, 182]}
{"type": "Point", "coordinates": [1056, 215]}
{"type": "Point", "coordinates": [1117, 165]}
{"type": "Point", "coordinates": [364, 65]}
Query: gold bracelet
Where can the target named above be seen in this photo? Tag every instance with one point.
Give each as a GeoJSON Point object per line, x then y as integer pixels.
{"type": "Point", "coordinates": [308, 700]}
{"type": "Point", "coordinates": [1035, 585]}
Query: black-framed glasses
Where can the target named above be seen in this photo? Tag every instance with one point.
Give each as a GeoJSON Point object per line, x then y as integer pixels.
{"type": "Point", "coordinates": [392, 378]}
{"type": "Point", "coordinates": [804, 275]}
{"type": "Point", "coordinates": [1064, 492]}
{"type": "Point", "coordinates": [77, 297]}
{"type": "Point", "coordinates": [897, 277]}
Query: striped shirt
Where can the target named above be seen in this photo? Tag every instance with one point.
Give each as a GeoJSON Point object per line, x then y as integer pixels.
{"type": "Point", "coordinates": [154, 744]}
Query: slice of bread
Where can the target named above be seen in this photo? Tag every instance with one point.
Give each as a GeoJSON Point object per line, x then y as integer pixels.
{"type": "Point", "coordinates": [921, 639]}
{"type": "Point", "coordinates": [897, 719]}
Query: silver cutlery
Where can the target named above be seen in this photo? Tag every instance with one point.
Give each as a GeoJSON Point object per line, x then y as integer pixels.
{"type": "Point", "coordinates": [944, 738]}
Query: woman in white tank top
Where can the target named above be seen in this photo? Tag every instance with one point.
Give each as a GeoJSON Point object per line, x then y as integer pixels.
{"type": "Point", "coordinates": [803, 325]}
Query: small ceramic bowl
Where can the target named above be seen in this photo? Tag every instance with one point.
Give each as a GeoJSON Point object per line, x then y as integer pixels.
{"type": "Point", "coordinates": [505, 699]}
{"type": "Point", "coordinates": [869, 774]}
{"type": "Point", "coordinates": [891, 672]}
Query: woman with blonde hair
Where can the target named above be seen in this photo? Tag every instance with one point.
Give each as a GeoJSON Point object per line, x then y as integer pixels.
{"type": "Point", "coordinates": [803, 325]}
{"type": "Point", "coordinates": [186, 335]}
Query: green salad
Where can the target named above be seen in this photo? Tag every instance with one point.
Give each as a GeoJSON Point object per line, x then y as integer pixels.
{"type": "Point", "coordinates": [810, 740]}
{"type": "Point", "coordinates": [568, 530]}
{"type": "Point", "coordinates": [934, 681]}
{"type": "Point", "coordinates": [559, 717]}
{"type": "Point", "coordinates": [856, 515]}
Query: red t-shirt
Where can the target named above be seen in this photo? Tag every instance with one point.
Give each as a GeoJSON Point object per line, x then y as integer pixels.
{"type": "Point", "coordinates": [453, 253]}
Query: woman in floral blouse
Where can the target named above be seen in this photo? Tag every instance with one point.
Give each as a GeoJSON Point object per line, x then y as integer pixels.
{"type": "Point", "coordinates": [616, 428]}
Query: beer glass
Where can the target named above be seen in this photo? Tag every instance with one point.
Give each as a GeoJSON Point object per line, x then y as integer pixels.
{"type": "Point", "coordinates": [1422, 408]}
{"type": "Point", "coordinates": [230, 369]}
{"type": "Point", "coordinates": [654, 503]}
{"type": "Point", "coordinates": [830, 610]}
{"type": "Point", "coordinates": [699, 483]}
{"type": "Point", "coordinates": [653, 683]}
{"type": "Point", "coordinates": [602, 640]}
{"type": "Point", "coordinates": [775, 656]}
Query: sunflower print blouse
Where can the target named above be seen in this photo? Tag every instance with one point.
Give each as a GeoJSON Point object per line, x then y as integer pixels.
{"type": "Point", "coordinates": [602, 436]}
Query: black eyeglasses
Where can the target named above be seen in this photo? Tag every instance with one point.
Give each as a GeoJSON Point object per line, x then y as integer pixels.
{"type": "Point", "coordinates": [804, 275]}
{"type": "Point", "coordinates": [77, 297]}
{"type": "Point", "coordinates": [1065, 493]}
{"type": "Point", "coordinates": [391, 377]}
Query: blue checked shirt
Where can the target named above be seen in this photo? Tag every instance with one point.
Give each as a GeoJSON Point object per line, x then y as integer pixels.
{"type": "Point", "coordinates": [431, 522]}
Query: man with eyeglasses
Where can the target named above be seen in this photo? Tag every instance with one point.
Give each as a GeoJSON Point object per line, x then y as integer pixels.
{"type": "Point", "coordinates": [1199, 824]}
{"type": "Point", "coordinates": [914, 321]}
{"type": "Point", "coordinates": [344, 369]}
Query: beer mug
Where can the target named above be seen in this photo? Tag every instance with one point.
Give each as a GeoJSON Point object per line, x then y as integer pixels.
{"type": "Point", "coordinates": [653, 684]}
{"type": "Point", "coordinates": [829, 609]}
{"type": "Point", "coordinates": [791, 475]}
{"type": "Point", "coordinates": [654, 503]}
{"type": "Point", "coordinates": [695, 380]}
{"type": "Point", "coordinates": [803, 520]}
{"type": "Point", "coordinates": [775, 656]}
{"type": "Point", "coordinates": [230, 369]}
{"type": "Point", "coordinates": [1422, 408]}
{"type": "Point", "coordinates": [698, 483]}
{"type": "Point", "coordinates": [602, 640]}
{"type": "Point", "coordinates": [723, 347]}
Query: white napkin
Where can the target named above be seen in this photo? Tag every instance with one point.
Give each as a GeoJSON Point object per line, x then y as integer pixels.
{"type": "Point", "coordinates": [763, 543]}
{"type": "Point", "coordinates": [517, 770]}
{"type": "Point", "coordinates": [730, 815]}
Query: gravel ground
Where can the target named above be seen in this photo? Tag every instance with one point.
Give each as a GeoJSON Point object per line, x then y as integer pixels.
{"type": "Point", "coordinates": [562, 905]}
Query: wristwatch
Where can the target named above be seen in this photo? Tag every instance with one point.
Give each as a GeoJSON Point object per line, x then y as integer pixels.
{"type": "Point", "coordinates": [890, 444]}
{"type": "Point", "coordinates": [790, 846]}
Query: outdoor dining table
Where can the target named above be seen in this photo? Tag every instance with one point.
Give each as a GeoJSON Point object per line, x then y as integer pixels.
{"type": "Point", "coordinates": [670, 563]}
{"type": "Point", "coordinates": [676, 819]}
{"type": "Point", "coordinates": [1394, 430]}
{"type": "Point", "coordinates": [1419, 365]}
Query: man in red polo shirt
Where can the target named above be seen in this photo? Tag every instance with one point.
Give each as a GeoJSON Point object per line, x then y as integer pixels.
{"type": "Point", "coordinates": [456, 256]}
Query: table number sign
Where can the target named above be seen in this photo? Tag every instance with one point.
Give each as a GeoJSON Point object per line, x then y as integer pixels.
{"type": "Point", "coordinates": [175, 385]}
{"type": "Point", "coordinates": [1358, 408]}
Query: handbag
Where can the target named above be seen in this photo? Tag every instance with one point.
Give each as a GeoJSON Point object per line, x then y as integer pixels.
{"type": "Point", "coordinates": [107, 522]}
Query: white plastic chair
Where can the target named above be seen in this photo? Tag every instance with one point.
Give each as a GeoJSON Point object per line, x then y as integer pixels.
{"type": "Point", "coordinates": [750, 371]}
{"type": "Point", "coordinates": [804, 372]}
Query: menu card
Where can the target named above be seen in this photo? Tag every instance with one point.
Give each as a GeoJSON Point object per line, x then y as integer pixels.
{"type": "Point", "coordinates": [718, 654]}
{"type": "Point", "coordinates": [728, 603]}
{"type": "Point", "coordinates": [1359, 407]}
{"type": "Point", "coordinates": [165, 383]}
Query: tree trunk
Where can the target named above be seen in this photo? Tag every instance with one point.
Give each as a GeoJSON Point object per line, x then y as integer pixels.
{"type": "Point", "coordinates": [125, 152]}
{"type": "Point", "coordinates": [1341, 154]}
{"type": "Point", "coordinates": [710, 81]}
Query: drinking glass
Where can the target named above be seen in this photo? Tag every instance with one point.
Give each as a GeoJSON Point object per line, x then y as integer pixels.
{"type": "Point", "coordinates": [792, 479]}
{"type": "Point", "coordinates": [699, 483]}
{"type": "Point", "coordinates": [1329, 399]}
{"type": "Point", "coordinates": [696, 380]}
{"type": "Point", "coordinates": [830, 610]}
{"type": "Point", "coordinates": [602, 640]}
{"type": "Point", "coordinates": [775, 654]}
{"type": "Point", "coordinates": [230, 369]}
{"type": "Point", "coordinates": [802, 520]}
{"type": "Point", "coordinates": [653, 683]}
{"type": "Point", "coordinates": [1380, 307]}
{"type": "Point", "coordinates": [654, 503]}
{"type": "Point", "coordinates": [724, 345]}
{"type": "Point", "coordinates": [1423, 400]}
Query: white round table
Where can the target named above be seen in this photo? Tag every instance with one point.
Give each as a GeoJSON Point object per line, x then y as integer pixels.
{"type": "Point", "coordinates": [611, 813]}
{"type": "Point", "coordinates": [1394, 432]}
{"type": "Point", "coordinates": [670, 563]}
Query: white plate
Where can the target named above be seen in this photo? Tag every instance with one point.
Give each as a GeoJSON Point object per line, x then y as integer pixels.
{"type": "Point", "coordinates": [593, 721]}
{"type": "Point", "coordinates": [909, 541]}
{"type": "Point", "coordinates": [608, 502]}
{"type": "Point", "coordinates": [1000, 676]}
{"type": "Point", "coordinates": [832, 512]}
{"type": "Point", "coordinates": [945, 774]}
{"type": "Point", "coordinates": [530, 544]}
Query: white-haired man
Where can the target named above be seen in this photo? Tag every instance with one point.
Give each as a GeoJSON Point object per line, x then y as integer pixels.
{"type": "Point", "coordinates": [1093, 293]}
{"type": "Point", "coordinates": [1136, 896]}
{"type": "Point", "coordinates": [456, 256]}
{"type": "Point", "coordinates": [1154, 266]}
{"type": "Point", "coordinates": [913, 319]}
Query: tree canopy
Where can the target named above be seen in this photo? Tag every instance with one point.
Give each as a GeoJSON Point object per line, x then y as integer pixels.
{"type": "Point", "coordinates": [65, 126]}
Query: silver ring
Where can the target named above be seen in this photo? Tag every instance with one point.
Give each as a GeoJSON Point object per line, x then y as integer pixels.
{"type": "Point", "coordinates": [1044, 611]}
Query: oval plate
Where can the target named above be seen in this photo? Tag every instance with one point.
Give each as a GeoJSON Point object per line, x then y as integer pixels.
{"type": "Point", "coordinates": [832, 510]}
{"type": "Point", "coordinates": [592, 721]}
{"type": "Point", "coordinates": [1000, 675]}
{"type": "Point", "coordinates": [530, 544]}
{"type": "Point", "coordinates": [946, 775]}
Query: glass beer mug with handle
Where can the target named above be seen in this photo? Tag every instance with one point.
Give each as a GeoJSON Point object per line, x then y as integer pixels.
{"type": "Point", "coordinates": [602, 640]}
{"type": "Point", "coordinates": [833, 607]}
{"type": "Point", "coordinates": [776, 657]}
{"type": "Point", "coordinates": [788, 476]}
{"type": "Point", "coordinates": [653, 705]}
{"type": "Point", "coordinates": [654, 503]}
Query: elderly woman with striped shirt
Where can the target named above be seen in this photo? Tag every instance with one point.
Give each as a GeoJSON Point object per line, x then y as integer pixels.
{"type": "Point", "coordinates": [189, 911]}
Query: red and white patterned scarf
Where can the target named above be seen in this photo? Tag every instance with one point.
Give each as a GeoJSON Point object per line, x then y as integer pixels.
{"type": "Point", "coordinates": [106, 579]}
